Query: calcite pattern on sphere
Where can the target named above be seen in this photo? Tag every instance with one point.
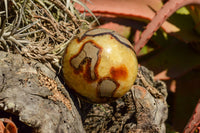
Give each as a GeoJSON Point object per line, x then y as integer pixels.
{"type": "Point", "coordinates": [99, 65]}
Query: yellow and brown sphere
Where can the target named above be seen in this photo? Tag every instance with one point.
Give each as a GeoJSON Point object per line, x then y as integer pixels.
{"type": "Point", "coordinates": [100, 65]}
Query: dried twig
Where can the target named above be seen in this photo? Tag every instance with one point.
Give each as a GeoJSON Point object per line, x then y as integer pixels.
{"type": "Point", "coordinates": [64, 8]}
{"type": "Point", "coordinates": [39, 31]}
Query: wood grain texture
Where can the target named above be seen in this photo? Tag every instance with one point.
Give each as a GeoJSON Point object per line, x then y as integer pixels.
{"type": "Point", "coordinates": [22, 94]}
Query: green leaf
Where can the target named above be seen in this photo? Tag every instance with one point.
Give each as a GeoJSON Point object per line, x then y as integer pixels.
{"type": "Point", "coordinates": [183, 11]}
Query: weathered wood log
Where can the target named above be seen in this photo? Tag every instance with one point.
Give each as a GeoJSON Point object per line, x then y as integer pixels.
{"type": "Point", "coordinates": [32, 91]}
{"type": "Point", "coordinates": [140, 110]}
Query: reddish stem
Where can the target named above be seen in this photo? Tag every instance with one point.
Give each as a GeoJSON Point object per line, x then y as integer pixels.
{"type": "Point", "coordinates": [167, 10]}
{"type": "Point", "coordinates": [10, 127]}
{"type": "Point", "coordinates": [194, 122]}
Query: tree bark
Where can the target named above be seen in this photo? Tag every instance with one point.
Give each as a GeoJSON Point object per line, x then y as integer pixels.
{"type": "Point", "coordinates": [32, 92]}
{"type": "Point", "coordinates": [139, 111]}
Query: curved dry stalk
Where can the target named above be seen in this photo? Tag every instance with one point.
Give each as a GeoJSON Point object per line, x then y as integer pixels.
{"type": "Point", "coordinates": [3, 27]}
{"type": "Point", "coordinates": [13, 36]}
{"type": "Point", "coordinates": [85, 7]}
{"type": "Point", "coordinates": [6, 8]}
{"type": "Point", "coordinates": [40, 29]}
{"type": "Point", "coordinates": [64, 8]}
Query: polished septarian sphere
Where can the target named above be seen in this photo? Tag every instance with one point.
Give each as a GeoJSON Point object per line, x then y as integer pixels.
{"type": "Point", "coordinates": [99, 65]}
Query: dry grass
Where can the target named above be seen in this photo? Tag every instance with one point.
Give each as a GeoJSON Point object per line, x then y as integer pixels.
{"type": "Point", "coordinates": [39, 29]}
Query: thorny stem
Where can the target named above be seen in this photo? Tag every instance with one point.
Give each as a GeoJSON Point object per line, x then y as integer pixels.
{"type": "Point", "coordinates": [165, 12]}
